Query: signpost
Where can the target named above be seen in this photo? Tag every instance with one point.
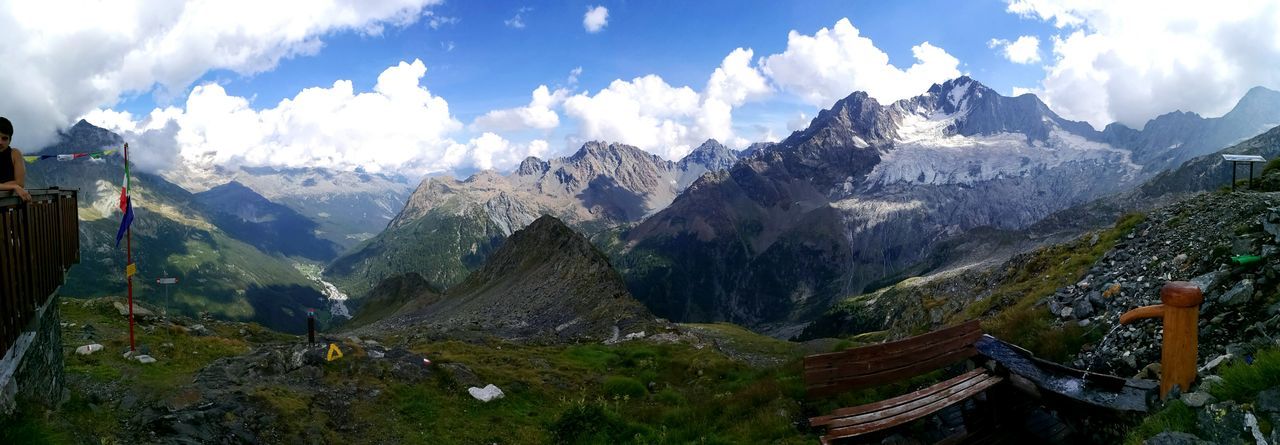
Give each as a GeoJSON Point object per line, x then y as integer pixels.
{"type": "Point", "coordinates": [1247, 159]}
{"type": "Point", "coordinates": [166, 281]}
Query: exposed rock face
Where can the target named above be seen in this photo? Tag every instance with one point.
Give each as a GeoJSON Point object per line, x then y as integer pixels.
{"type": "Point", "coordinates": [546, 283]}
{"type": "Point", "coordinates": [448, 227]}
{"type": "Point", "coordinates": [1171, 139]}
{"type": "Point", "coordinates": [863, 193]}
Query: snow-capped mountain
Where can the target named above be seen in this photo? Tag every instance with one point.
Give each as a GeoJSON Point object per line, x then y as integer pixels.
{"type": "Point", "coordinates": [865, 193]}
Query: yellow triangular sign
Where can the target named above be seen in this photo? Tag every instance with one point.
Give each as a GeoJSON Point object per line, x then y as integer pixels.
{"type": "Point", "coordinates": [334, 352]}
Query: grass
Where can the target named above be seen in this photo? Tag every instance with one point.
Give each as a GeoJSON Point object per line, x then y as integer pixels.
{"type": "Point", "coordinates": [1174, 417]}
{"type": "Point", "coordinates": [1243, 381]}
{"type": "Point", "coordinates": [635, 392]}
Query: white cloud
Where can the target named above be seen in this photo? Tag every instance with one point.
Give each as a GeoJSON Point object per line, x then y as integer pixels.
{"type": "Point", "coordinates": [833, 63]}
{"type": "Point", "coordinates": [517, 21]}
{"type": "Point", "coordinates": [437, 21]}
{"type": "Point", "coordinates": [1025, 50]}
{"type": "Point", "coordinates": [573, 76]}
{"type": "Point", "coordinates": [799, 123]}
{"type": "Point", "coordinates": [1131, 61]}
{"type": "Point", "coordinates": [595, 19]}
{"type": "Point", "coordinates": [398, 126]}
{"type": "Point", "coordinates": [665, 120]}
{"type": "Point", "coordinates": [537, 115]}
{"type": "Point", "coordinates": [64, 58]}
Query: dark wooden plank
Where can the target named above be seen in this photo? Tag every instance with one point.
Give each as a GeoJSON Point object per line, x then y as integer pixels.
{"type": "Point", "coordinates": [888, 361]}
{"type": "Point", "coordinates": [944, 393]}
{"type": "Point", "coordinates": [7, 294]}
{"type": "Point", "coordinates": [916, 413]}
{"type": "Point", "coordinates": [919, 342]}
{"type": "Point", "coordinates": [889, 375]}
{"type": "Point", "coordinates": [933, 389]}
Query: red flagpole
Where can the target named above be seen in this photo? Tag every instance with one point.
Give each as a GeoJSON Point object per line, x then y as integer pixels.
{"type": "Point", "coordinates": [128, 248]}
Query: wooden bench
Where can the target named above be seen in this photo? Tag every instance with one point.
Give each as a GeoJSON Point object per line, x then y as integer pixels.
{"type": "Point", "coordinates": [832, 373]}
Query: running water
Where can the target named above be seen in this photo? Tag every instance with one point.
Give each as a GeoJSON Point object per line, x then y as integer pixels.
{"type": "Point", "coordinates": [1098, 351]}
{"type": "Point", "coordinates": [337, 300]}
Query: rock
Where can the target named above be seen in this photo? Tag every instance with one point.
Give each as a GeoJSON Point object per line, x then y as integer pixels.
{"type": "Point", "coordinates": [1271, 228]}
{"type": "Point", "coordinates": [1251, 425]}
{"type": "Point", "coordinates": [138, 310]}
{"type": "Point", "coordinates": [1197, 399]}
{"type": "Point", "coordinates": [1208, 281]}
{"type": "Point", "coordinates": [200, 330]}
{"type": "Point", "coordinates": [1213, 364]}
{"type": "Point", "coordinates": [1096, 299]}
{"type": "Point", "coordinates": [1178, 260]}
{"type": "Point", "coordinates": [1221, 422]}
{"type": "Point", "coordinates": [1112, 290]}
{"type": "Point", "coordinates": [1239, 294]}
{"type": "Point", "coordinates": [1149, 372]}
{"type": "Point", "coordinates": [1082, 309]}
{"type": "Point", "coordinates": [1093, 240]}
{"type": "Point", "coordinates": [486, 394]}
{"type": "Point", "coordinates": [1242, 246]}
{"type": "Point", "coordinates": [88, 349]}
{"type": "Point", "coordinates": [1269, 401]}
{"type": "Point", "coordinates": [1207, 383]}
{"type": "Point", "coordinates": [144, 359]}
{"type": "Point", "coordinates": [1174, 438]}
{"type": "Point", "coordinates": [1065, 312]}
{"type": "Point", "coordinates": [376, 354]}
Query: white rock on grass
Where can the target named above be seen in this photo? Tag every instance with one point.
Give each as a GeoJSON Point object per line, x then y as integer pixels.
{"type": "Point", "coordinates": [486, 394]}
{"type": "Point", "coordinates": [144, 359]}
{"type": "Point", "coordinates": [88, 349]}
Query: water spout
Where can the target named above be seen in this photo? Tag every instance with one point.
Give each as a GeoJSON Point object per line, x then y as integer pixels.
{"type": "Point", "coordinates": [1181, 315]}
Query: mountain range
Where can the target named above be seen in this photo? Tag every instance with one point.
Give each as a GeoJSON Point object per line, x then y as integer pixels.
{"type": "Point", "coordinates": [870, 190]}
{"type": "Point", "coordinates": [448, 226]}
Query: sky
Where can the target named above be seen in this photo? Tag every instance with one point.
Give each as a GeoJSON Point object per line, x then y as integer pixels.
{"type": "Point", "coordinates": [424, 87]}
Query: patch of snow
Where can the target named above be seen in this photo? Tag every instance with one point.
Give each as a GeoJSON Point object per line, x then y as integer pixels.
{"type": "Point", "coordinates": [959, 93]}
{"type": "Point", "coordinates": [926, 154]}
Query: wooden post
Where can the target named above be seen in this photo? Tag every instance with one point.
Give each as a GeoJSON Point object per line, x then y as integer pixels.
{"type": "Point", "coordinates": [1180, 349]}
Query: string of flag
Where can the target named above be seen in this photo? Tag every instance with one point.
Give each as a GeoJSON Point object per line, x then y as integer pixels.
{"type": "Point", "coordinates": [69, 156]}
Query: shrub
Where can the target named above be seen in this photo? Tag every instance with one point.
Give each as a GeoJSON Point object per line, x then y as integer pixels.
{"type": "Point", "coordinates": [1242, 381]}
{"type": "Point", "coordinates": [589, 423]}
{"type": "Point", "coordinates": [619, 386]}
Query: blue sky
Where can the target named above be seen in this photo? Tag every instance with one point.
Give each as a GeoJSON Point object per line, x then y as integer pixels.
{"type": "Point", "coordinates": [492, 65]}
{"type": "Point", "coordinates": [213, 82]}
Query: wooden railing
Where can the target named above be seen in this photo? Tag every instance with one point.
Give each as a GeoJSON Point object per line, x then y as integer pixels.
{"type": "Point", "coordinates": [39, 241]}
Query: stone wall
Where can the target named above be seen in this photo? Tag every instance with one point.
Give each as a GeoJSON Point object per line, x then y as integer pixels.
{"type": "Point", "coordinates": [32, 370]}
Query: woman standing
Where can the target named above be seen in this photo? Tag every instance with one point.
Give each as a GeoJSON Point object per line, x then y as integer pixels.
{"type": "Point", "coordinates": [13, 172]}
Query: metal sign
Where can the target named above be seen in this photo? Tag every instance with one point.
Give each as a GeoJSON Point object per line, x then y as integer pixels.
{"type": "Point", "coordinates": [166, 281]}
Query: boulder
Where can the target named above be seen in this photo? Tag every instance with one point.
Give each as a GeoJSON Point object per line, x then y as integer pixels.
{"type": "Point", "coordinates": [487, 394]}
{"type": "Point", "coordinates": [1197, 399]}
{"type": "Point", "coordinates": [1222, 422]}
{"type": "Point", "coordinates": [1269, 401]}
{"type": "Point", "coordinates": [1082, 309]}
{"type": "Point", "coordinates": [1239, 294]}
{"type": "Point", "coordinates": [88, 349]}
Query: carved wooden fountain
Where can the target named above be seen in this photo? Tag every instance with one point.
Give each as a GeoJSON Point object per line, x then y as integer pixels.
{"type": "Point", "coordinates": [1181, 313]}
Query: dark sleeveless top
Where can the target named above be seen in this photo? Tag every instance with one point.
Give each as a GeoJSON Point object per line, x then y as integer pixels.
{"type": "Point", "coordinates": [6, 166]}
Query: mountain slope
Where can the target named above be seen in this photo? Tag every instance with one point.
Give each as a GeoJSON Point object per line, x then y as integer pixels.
{"type": "Point", "coordinates": [272, 227]}
{"type": "Point", "coordinates": [1173, 138]}
{"type": "Point", "coordinates": [546, 283]}
{"type": "Point", "coordinates": [347, 206]}
{"type": "Point", "coordinates": [218, 273]}
{"type": "Point", "coordinates": [863, 193]}
{"type": "Point", "coordinates": [448, 227]}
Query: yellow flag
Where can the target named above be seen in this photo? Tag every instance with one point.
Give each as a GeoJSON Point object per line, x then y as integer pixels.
{"type": "Point", "coordinates": [333, 350]}
{"type": "Point", "coordinates": [130, 270]}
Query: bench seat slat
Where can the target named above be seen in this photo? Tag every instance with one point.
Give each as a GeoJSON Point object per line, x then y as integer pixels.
{"type": "Point", "coordinates": [913, 414]}
{"type": "Point", "coordinates": [905, 398]}
{"type": "Point", "coordinates": [908, 406]}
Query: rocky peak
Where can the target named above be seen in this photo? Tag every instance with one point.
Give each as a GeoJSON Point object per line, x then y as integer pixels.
{"type": "Point", "coordinates": [952, 96]}
{"type": "Point", "coordinates": [711, 155]}
{"type": "Point", "coordinates": [531, 166]}
{"type": "Point", "coordinates": [81, 137]}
